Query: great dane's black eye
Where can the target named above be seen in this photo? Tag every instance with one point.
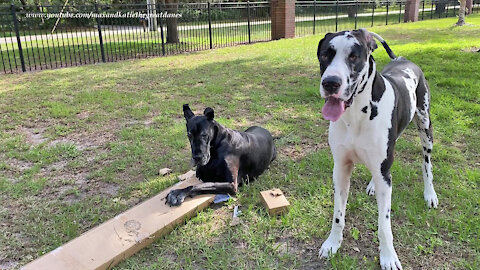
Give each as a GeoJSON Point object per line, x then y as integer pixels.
{"type": "Point", "coordinates": [324, 57]}
{"type": "Point", "coordinates": [352, 57]}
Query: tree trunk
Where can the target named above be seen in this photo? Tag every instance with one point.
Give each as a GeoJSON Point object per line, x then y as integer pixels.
{"type": "Point", "coordinates": [172, 23]}
{"type": "Point", "coordinates": [468, 7]}
{"type": "Point", "coordinates": [351, 12]}
{"type": "Point", "coordinates": [461, 13]}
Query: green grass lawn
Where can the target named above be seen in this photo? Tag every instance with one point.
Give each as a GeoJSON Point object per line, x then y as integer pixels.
{"type": "Point", "coordinates": [80, 145]}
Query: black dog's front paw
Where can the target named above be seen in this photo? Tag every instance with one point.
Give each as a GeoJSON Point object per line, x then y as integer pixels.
{"type": "Point", "coordinates": [176, 197]}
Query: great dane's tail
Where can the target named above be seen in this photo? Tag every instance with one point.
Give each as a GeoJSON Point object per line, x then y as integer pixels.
{"type": "Point", "coordinates": [385, 45]}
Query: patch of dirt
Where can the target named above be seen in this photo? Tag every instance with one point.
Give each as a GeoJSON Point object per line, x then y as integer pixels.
{"type": "Point", "coordinates": [298, 151]}
{"type": "Point", "coordinates": [7, 265]}
{"type": "Point", "coordinates": [148, 122]}
{"type": "Point", "coordinates": [83, 115]}
{"type": "Point", "coordinates": [85, 141]}
{"type": "Point", "coordinates": [306, 252]}
{"type": "Point", "coordinates": [18, 165]}
{"type": "Point", "coordinates": [57, 166]}
{"type": "Point", "coordinates": [34, 136]}
{"type": "Point", "coordinates": [14, 168]}
{"type": "Point", "coordinates": [109, 189]}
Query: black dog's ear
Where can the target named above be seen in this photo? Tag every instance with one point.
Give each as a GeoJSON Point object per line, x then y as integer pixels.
{"type": "Point", "coordinates": [187, 112]}
{"type": "Point", "coordinates": [320, 45]}
{"type": "Point", "coordinates": [209, 113]}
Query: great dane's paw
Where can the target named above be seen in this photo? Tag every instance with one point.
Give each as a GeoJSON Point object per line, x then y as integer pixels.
{"type": "Point", "coordinates": [389, 261]}
{"type": "Point", "coordinates": [431, 198]}
{"type": "Point", "coordinates": [176, 197]}
{"type": "Point", "coordinates": [330, 247]}
{"type": "Point", "coordinates": [371, 188]}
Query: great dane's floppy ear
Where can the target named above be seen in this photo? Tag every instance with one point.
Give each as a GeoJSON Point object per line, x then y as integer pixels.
{"type": "Point", "coordinates": [209, 113]}
{"type": "Point", "coordinates": [187, 112]}
{"type": "Point", "coordinates": [371, 43]}
{"type": "Point", "coordinates": [320, 45]}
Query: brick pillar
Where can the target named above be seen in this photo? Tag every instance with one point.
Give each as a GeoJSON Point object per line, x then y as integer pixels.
{"type": "Point", "coordinates": [468, 7]}
{"type": "Point", "coordinates": [411, 11]}
{"type": "Point", "coordinates": [283, 18]}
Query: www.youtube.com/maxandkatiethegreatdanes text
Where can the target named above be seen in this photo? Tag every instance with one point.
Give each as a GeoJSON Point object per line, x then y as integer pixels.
{"type": "Point", "coordinates": [118, 14]}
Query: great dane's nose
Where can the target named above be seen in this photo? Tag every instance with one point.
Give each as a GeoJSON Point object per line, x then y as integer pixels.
{"type": "Point", "coordinates": [197, 158]}
{"type": "Point", "coordinates": [331, 84]}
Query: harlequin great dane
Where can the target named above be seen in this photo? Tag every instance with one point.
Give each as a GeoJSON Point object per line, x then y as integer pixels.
{"type": "Point", "coordinates": [368, 111]}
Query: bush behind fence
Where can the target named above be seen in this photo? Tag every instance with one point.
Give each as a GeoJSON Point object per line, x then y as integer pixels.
{"type": "Point", "coordinates": [36, 43]}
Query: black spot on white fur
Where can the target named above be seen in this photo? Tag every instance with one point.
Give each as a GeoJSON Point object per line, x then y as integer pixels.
{"type": "Point", "coordinates": [374, 111]}
{"type": "Point", "coordinates": [364, 109]}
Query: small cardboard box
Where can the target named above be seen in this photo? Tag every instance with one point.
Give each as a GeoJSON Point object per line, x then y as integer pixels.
{"type": "Point", "coordinates": [274, 201]}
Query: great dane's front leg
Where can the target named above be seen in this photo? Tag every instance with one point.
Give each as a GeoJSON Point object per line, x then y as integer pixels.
{"type": "Point", "coordinates": [341, 182]}
{"type": "Point", "coordinates": [383, 192]}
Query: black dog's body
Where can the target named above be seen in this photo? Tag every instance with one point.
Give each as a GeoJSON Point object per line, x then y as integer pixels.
{"type": "Point", "coordinates": [224, 157]}
{"type": "Point", "coordinates": [252, 150]}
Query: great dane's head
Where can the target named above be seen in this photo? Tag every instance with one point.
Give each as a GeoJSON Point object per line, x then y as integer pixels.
{"type": "Point", "coordinates": [344, 58]}
{"type": "Point", "coordinates": [201, 132]}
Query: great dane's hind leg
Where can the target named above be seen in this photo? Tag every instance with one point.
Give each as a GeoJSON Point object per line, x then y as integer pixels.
{"type": "Point", "coordinates": [383, 192]}
{"type": "Point", "coordinates": [424, 126]}
{"type": "Point", "coordinates": [371, 188]}
{"type": "Point", "coordinates": [341, 182]}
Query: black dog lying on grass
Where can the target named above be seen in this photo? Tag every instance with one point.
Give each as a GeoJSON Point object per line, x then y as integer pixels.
{"type": "Point", "coordinates": [224, 157]}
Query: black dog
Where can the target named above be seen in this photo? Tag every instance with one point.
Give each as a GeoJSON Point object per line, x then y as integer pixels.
{"type": "Point", "coordinates": [224, 157]}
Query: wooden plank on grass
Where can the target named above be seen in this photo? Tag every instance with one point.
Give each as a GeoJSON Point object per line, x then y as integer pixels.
{"type": "Point", "coordinates": [120, 237]}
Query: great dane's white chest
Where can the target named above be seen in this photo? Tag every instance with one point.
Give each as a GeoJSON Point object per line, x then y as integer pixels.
{"type": "Point", "coordinates": [354, 138]}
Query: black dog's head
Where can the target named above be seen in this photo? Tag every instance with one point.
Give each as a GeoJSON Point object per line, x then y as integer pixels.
{"type": "Point", "coordinates": [201, 132]}
{"type": "Point", "coordinates": [344, 58]}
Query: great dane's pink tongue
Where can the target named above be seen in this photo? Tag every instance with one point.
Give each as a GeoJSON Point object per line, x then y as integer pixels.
{"type": "Point", "coordinates": [333, 109]}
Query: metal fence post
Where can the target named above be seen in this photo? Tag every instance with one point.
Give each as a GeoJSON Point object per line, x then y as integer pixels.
{"type": "Point", "coordinates": [440, 13]}
{"type": "Point", "coordinates": [373, 10]}
{"type": "Point", "coordinates": [423, 8]}
{"type": "Point", "coordinates": [400, 12]}
{"type": "Point", "coordinates": [248, 13]}
{"type": "Point", "coordinates": [210, 25]}
{"type": "Point", "coordinates": [336, 17]}
{"type": "Point", "coordinates": [386, 17]}
{"type": "Point", "coordinates": [17, 33]}
{"type": "Point", "coordinates": [161, 32]}
{"type": "Point", "coordinates": [314, 14]}
{"type": "Point", "coordinates": [356, 13]}
{"type": "Point", "coordinates": [99, 27]}
{"type": "Point", "coordinates": [431, 11]}
{"type": "Point", "coordinates": [446, 9]}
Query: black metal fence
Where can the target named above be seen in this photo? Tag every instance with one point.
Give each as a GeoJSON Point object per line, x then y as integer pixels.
{"type": "Point", "coordinates": [313, 17]}
{"type": "Point", "coordinates": [32, 39]}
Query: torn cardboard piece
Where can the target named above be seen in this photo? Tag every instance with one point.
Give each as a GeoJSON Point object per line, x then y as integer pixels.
{"type": "Point", "coordinates": [117, 239]}
{"type": "Point", "coordinates": [164, 171]}
{"type": "Point", "coordinates": [187, 175]}
{"type": "Point", "coordinates": [274, 201]}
